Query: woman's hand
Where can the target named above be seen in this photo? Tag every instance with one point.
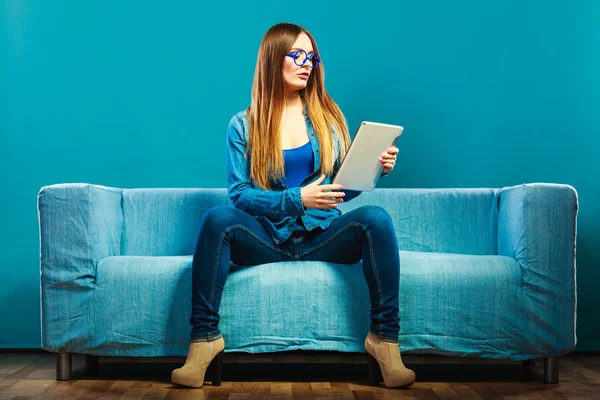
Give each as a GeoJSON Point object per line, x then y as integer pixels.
{"type": "Point", "coordinates": [388, 159]}
{"type": "Point", "coordinates": [316, 195]}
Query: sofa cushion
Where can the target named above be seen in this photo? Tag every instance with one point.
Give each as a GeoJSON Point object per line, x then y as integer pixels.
{"type": "Point", "coordinates": [166, 222]}
{"type": "Point", "coordinates": [462, 221]}
{"type": "Point", "coordinates": [447, 301]}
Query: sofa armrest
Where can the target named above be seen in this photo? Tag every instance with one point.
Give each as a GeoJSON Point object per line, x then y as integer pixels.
{"type": "Point", "coordinates": [79, 225]}
{"type": "Point", "coordinates": [537, 225]}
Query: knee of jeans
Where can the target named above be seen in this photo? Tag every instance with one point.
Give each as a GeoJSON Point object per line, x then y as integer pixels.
{"type": "Point", "coordinates": [375, 216]}
{"type": "Point", "coordinates": [220, 218]}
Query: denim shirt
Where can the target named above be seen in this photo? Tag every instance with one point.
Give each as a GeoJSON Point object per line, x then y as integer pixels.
{"type": "Point", "coordinates": [279, 208]}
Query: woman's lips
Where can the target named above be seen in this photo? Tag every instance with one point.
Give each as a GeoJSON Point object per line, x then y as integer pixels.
{"type": "Point", "coordinates": [303, 76]}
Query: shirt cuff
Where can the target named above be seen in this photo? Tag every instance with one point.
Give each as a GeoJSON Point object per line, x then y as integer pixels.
{"type": "Point", "coordinates": [296, 206]}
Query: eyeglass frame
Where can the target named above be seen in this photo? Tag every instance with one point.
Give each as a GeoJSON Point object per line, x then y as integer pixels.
{"type": "Point", "coordinates": [306, 58]}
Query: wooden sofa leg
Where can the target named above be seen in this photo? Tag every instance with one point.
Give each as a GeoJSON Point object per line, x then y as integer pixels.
{"type": "Point", "coordinates": [63, 367]}
{"type": "Point", "coordinates": [551, 370]}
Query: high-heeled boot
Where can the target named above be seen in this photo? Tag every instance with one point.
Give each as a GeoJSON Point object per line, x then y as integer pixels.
{"type": "Point", "coordinates": [384, 358]}
{"type": "Point", "coordinates": [200, 356]}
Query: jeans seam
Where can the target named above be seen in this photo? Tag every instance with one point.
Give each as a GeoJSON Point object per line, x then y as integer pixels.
{"type": "Point", "coordinates": [372, 255]}
{"type": "Point", "coordinates": [215, 269]}
{"type": "Point", "coordinates": [244, 228]}
{"type": "Point", "coordinates": [339, 232]}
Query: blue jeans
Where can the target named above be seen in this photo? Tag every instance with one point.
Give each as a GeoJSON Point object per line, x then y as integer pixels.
{"type": "Point", "coordinates": [228, 234]}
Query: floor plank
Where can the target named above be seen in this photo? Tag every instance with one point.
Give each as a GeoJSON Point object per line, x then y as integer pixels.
{"type": "Point", "coordinates": [303, 375]}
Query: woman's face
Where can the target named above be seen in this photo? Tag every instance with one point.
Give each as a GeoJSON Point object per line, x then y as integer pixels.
{"type": "Point", "coordinates": [294, 77]}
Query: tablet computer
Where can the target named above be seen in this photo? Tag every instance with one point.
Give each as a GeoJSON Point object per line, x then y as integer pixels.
{"type": "Point", "coordinates": [361, 169]}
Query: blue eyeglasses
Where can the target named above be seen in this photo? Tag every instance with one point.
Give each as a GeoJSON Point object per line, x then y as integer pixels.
{"type": "Point", "coordinates": [300, 58]}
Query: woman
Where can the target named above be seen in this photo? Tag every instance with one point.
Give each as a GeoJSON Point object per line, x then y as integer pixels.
{"type": "Point", "coordinates": [281, 154]}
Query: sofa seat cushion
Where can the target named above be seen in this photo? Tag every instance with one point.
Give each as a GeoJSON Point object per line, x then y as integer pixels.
{"type": "Point", "coordinates": [447, 301]}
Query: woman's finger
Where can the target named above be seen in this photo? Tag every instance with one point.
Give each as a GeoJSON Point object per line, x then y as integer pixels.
{"type": "Point", "coordinates": [324, 195]}
{"type": "Point", "coordinates": [319, 180]}
{"type": "Point", "coordinates": [327, 206]}
{"type": "Point", "coordinates": [329, 201]}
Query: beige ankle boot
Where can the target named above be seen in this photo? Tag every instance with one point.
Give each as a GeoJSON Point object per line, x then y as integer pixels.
{"type": "Point", "coordinates": [387, 355]}
{"type": "Point", "coordinates": [199, 357]}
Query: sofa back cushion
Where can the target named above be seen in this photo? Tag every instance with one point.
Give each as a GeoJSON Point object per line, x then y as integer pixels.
{"type": "Point", "coordinates": [166, 222]}
{"type": "Point", "coordinates": [462, 221]}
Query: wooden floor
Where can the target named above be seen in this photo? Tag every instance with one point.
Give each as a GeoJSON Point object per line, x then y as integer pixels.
{"type": "Point", "coordinates": [296, 375]}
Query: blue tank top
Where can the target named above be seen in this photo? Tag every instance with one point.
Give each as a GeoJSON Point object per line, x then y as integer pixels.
{"type": "Point", "coordinates": [298, 164]}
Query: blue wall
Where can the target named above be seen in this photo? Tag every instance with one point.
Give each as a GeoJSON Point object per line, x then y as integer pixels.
{"type": "Point", "coordinates": [134, 94]}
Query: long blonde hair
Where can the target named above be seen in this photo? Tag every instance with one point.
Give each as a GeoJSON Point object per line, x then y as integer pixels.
{"type": "Point", "coordinates": [266, 110]}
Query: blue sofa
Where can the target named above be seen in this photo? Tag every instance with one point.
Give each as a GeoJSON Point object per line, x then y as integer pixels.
{"type": "Point", "coordinates": [484, 273]}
